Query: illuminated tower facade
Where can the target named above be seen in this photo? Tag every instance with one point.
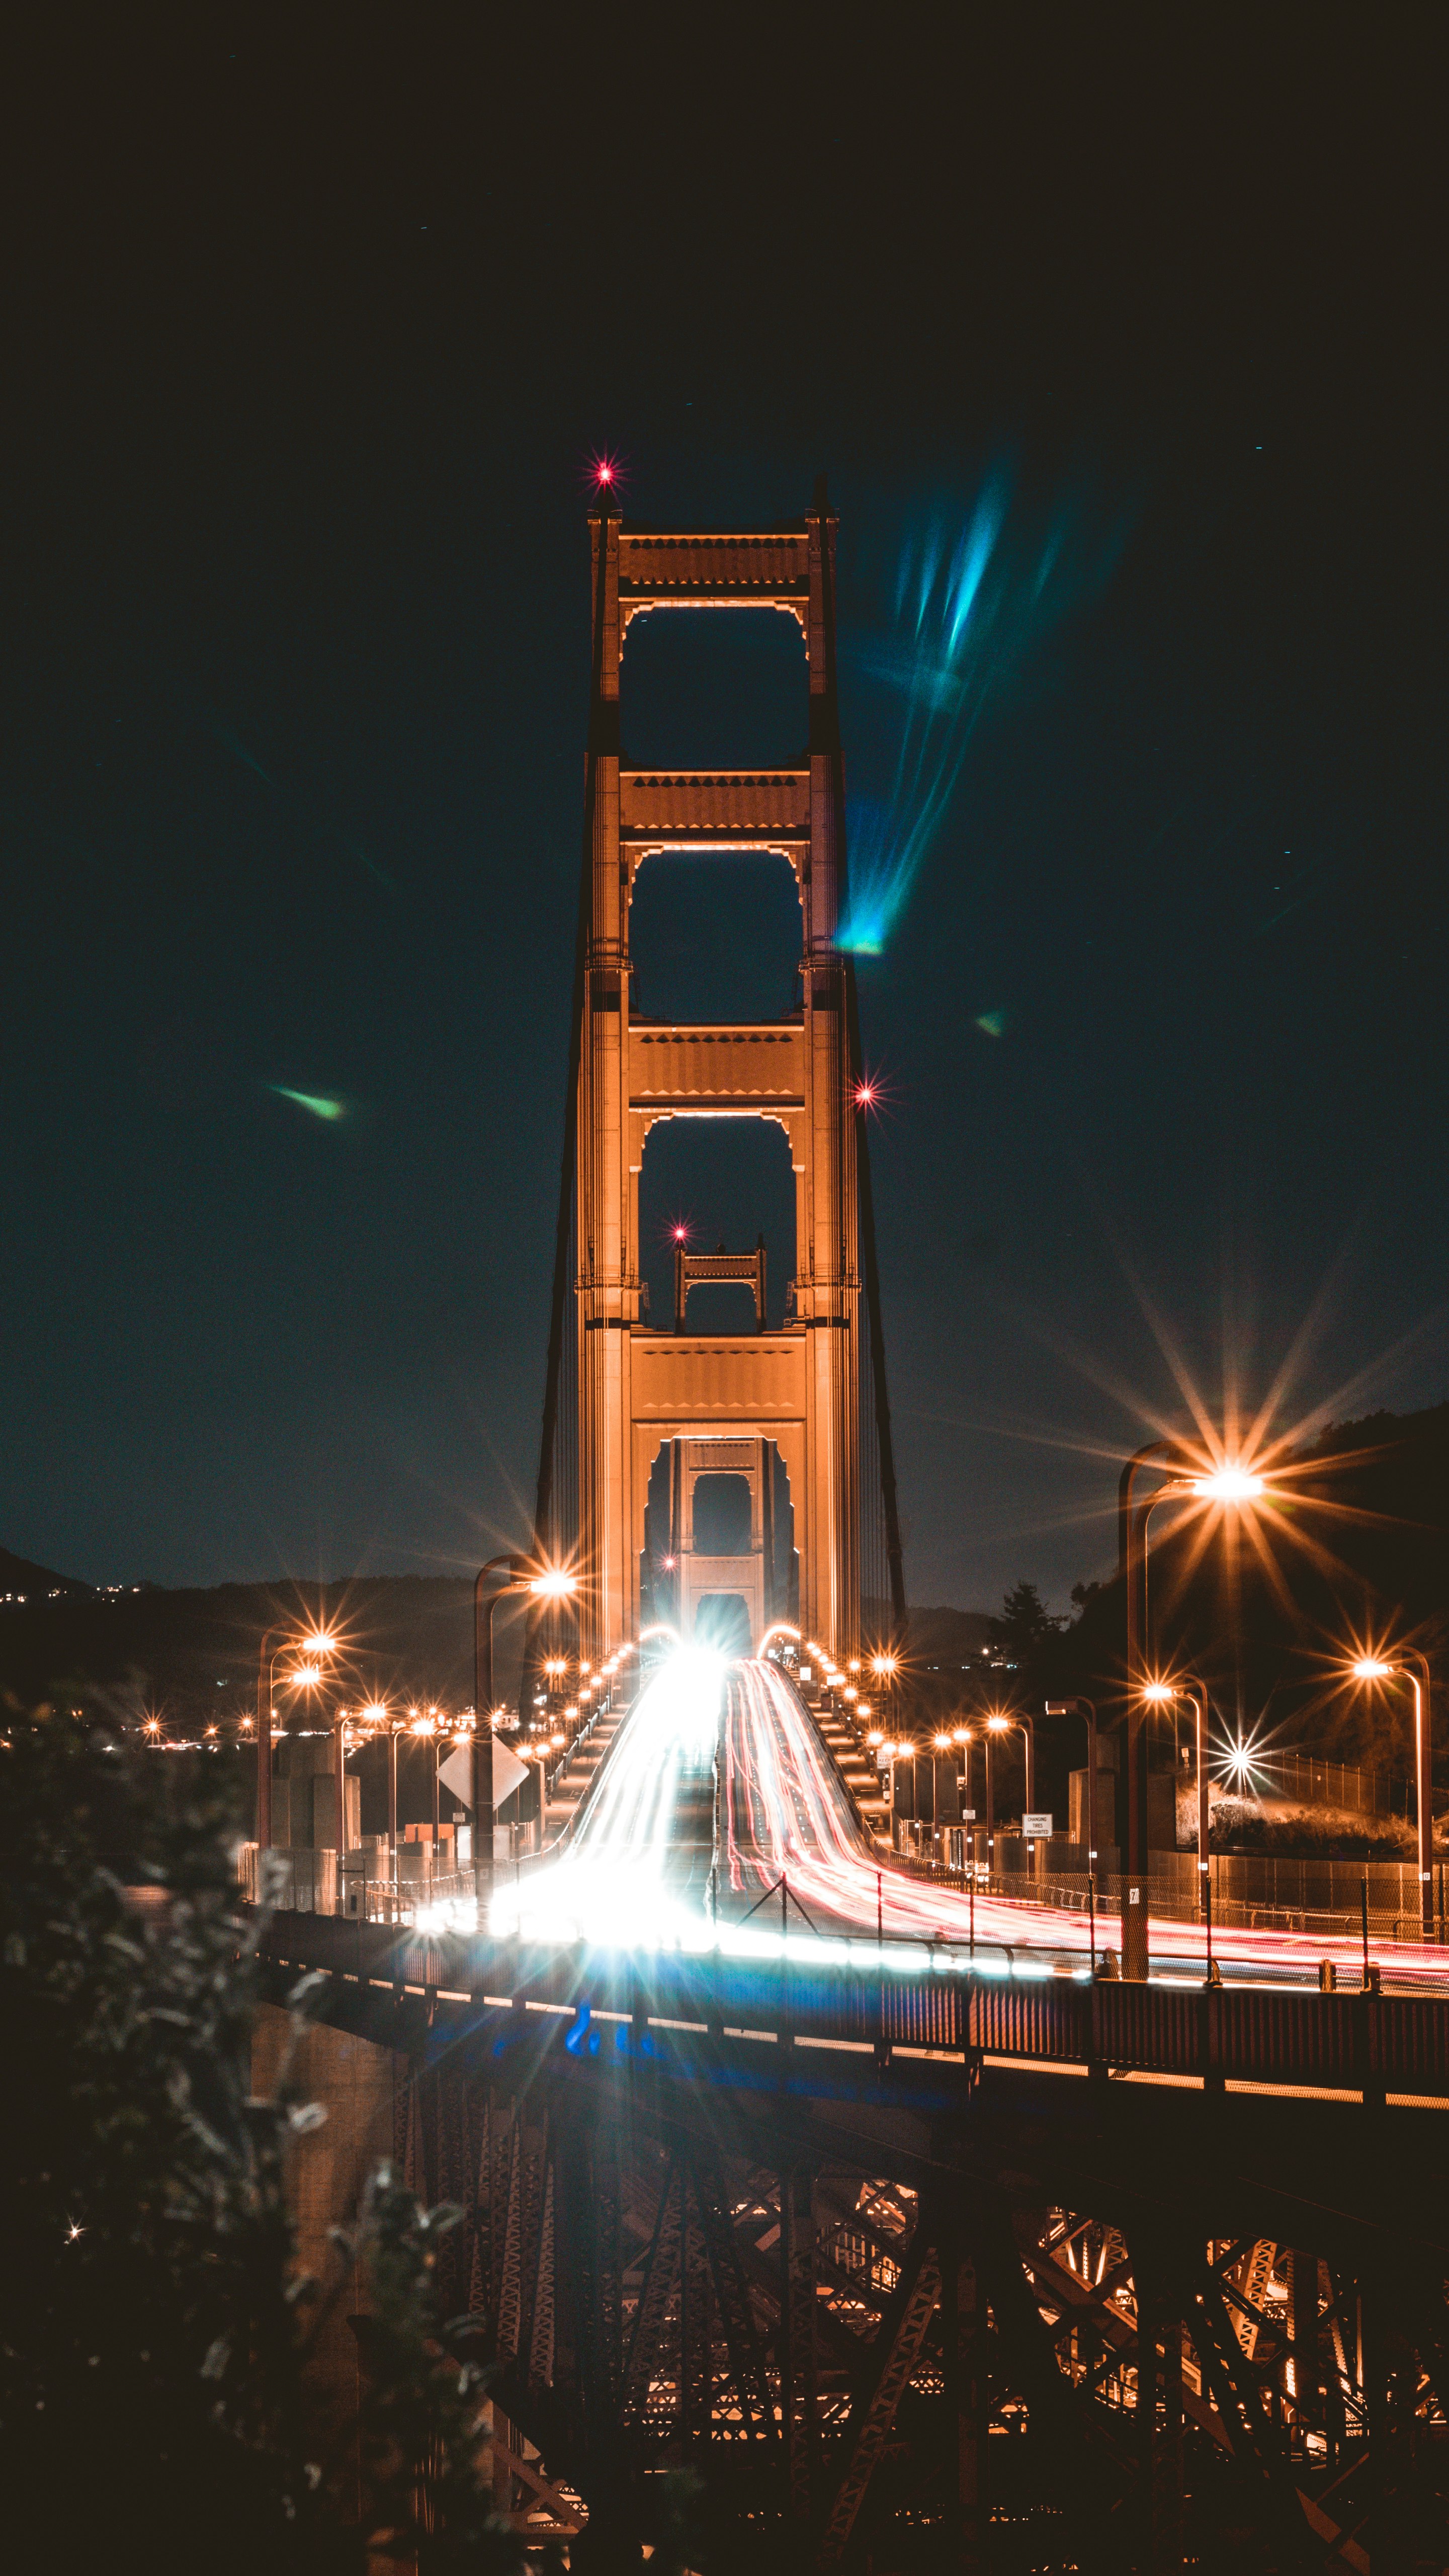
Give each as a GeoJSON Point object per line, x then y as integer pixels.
{"type": "Point", "coordinates": [795, 1388]}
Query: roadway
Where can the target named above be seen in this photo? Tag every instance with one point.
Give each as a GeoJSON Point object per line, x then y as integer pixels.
{"type": "Point", "coordinates": [718, 1787]}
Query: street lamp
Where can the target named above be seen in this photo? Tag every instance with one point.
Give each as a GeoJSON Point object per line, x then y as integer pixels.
{"type": "Point", "coordinates": [1003, 1723]}
{"type": "Point", "coordinates": [1413, 1667]}
{"type": "Point", "coordinates": [1231, 1485]}
{"type": "Point", "coordinates": [1083, 1708]}
{"type": "Point", "coordinates": [426, 1725]}
{"type": "Point", "coordinates": [377, 1715]}
{"type": "Point", "coordinates": [960, 1739]}
{"type": "Point", "coordinates": [547, 1584]}
{"type": "Point", "coordinates": [997, 1725]}
{"type": "Point", "coordinates": [340, 1775]}
{"type": "Point", "coordinates": [319, 1644]}
{"type": "Point", "coordinates": [1162, 1695]}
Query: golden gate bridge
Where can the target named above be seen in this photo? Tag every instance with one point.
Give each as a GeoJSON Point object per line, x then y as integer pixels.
{"type": "Point", "coordinates": [869, 2196]}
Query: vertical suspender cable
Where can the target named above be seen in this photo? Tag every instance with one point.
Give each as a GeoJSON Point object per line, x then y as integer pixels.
{"type": "Point", "coordinates": [568, 1179]}
{"type": "Point", "coordinates": [869, 1258]}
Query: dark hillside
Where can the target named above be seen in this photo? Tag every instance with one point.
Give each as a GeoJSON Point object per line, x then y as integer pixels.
{"type": "Point", "coordinates": [191, 1656]}
{"type": "Point", "coordinates": [21, 1581]}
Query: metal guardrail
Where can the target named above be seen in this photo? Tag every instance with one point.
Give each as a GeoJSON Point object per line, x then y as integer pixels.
{"type": "Point", "coordinates": [303, 1881]}
{"type": "Point", "coordinates": [423, 1903]}
{"type": "Point", "coordinates": [1176, 1899]}
{"type": "Point", "coordinates": [1368, 2044]}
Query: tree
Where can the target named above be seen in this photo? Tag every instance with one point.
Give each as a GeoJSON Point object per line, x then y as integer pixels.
{"type": "Point", "coordinates": [1026, 1625]}
{"type": "Point", "coordinates": [151, 2392]}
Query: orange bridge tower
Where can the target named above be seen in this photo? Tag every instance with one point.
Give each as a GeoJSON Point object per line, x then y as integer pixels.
{"type": "Point", "coordinates": [810, 1391]}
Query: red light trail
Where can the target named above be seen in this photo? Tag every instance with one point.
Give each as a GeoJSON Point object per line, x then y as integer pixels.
{"type": "Point", "coordinates": [635, 1865]}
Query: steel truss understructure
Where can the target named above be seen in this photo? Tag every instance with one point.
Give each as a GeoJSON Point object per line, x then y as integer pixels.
{"type": "Point", "coordinates": [888, 2341]}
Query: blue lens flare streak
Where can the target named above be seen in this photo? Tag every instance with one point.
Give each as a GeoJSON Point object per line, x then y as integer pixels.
{"type": "Point", "coordinates": [975, 592]}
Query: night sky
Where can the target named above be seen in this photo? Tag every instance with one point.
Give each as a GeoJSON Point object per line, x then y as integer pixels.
{"type": "Point", "coordinates": [312, 322]}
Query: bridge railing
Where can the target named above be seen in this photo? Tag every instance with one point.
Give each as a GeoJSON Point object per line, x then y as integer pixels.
{"type": "Point", "coordinates": [667, 2006]}
{"type": "Point", "coordinates": [311, 1883]}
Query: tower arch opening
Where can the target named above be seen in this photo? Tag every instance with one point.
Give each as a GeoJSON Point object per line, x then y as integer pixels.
{"type": "Point", "coordinates": [711, 1182]}
{"type": "Point", "coordinates": [699, 692]}
{"type": "Point", "coordinates": [722, 1520]}
{"type": "Point", "coordinates": [715, 935]}
{"type": "Point", "coordinates": [719, 1519]}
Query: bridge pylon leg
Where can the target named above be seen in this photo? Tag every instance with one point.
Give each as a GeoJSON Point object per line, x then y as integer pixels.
{"type": "Point", "coordinates": [962, 2340]}
{"type": "Point", "coordinates": [1159, 2410]}
{"type": "Point", "coordinates": [797, 2340]}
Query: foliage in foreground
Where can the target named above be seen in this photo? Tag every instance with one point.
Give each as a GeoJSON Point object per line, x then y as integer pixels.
{"type": "Point", "coordinates": [152, 2390]}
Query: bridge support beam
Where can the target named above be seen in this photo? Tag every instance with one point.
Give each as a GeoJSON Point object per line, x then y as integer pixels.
{"type": "Point", "coordinates": [962, 2340]}
{"type": "Point", "coordinates": [797, 2339]}
{"type": "Point", "coordinates": [823, 2290]}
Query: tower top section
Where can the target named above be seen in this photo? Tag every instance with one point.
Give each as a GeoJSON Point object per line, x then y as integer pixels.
{"type": "Point", "coordinates": [791, 568]}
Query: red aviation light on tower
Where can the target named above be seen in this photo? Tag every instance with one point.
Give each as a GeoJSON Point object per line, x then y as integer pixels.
{"type": "Point", "coordinates": [865, 1093]}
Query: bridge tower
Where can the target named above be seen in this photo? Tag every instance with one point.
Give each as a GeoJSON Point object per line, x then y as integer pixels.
{"type": "Point", "coordinates": [627, 1387]}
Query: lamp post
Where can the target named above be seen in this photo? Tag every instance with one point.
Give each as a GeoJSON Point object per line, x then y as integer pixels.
{"type": "Point", "coordinates": [995, 1726]}
{"type": "Point", "coordinates": [1229, 1485]}
{"type": "Point", "coordinates": [1083, 1708]}
{"type": "Point", "coordinates": [319, 1644]}
{"type": "Point", "coordinates": [1161, 1695]}
{"type": "Point", "coordinates": [961, 1738]}
{"type": "Point", "coordinates": [1000, 1725]}
{"type": "Point", "coordinates": [339, 1733]}
{"type": "Point", "coordinates": [548, 1585]}
{"type": "Point", "coordinates": [1413, 1667]}
{"type": "Point", "coordinates": [378, 1715]}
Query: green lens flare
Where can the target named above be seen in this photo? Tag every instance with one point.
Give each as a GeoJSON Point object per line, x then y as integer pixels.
{"type": "Point", "coordinates": [319, 1107]}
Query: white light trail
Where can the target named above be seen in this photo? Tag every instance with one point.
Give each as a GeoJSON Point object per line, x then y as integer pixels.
{"type": "Point", "coordinates": [643, 1833]}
